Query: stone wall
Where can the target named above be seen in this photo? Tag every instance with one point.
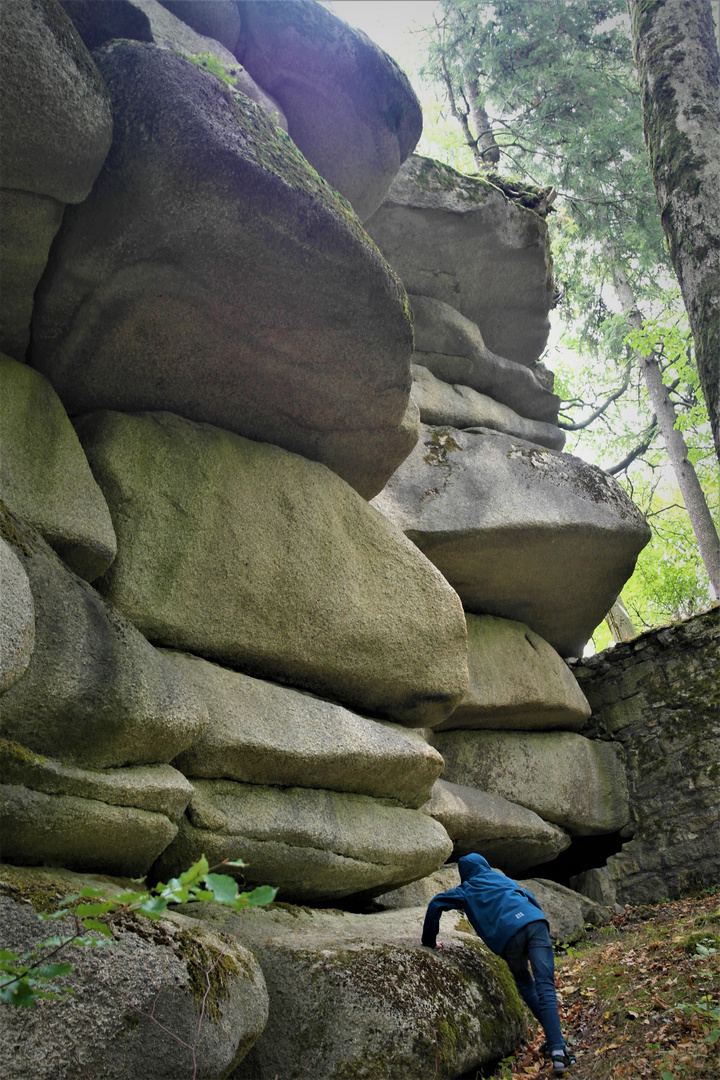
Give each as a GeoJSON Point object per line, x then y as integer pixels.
{"type": "Point", "coordinates": [658, 696]}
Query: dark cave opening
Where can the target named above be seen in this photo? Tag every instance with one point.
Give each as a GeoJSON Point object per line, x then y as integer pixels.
{"type": "Point", "coordinates": [584, 853]}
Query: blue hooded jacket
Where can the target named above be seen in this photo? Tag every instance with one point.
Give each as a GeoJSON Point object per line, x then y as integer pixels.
{"type": "Point", "coordinates": [496, 906]}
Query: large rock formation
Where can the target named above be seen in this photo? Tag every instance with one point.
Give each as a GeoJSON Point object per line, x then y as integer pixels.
{"type": "Point", "coordinates": [55, 130]}
{"type": "Point", "coordinates": [221, 328]}
{"type": "Point", "coordinates": [349, 107]}
{"type": "Point", "coordinates": [17, 618]}
{"type": "Point", "coordinates": [517, 681]}
{"type": "Point", "coordinates": [95, 693]}
{"type": "Point", "coordinates": [510, 836]}
{"type": "Point", "coordinates": [567, 779]}
{"type": "Point", "coordinates": [216, 260]}
{"type": "Point", "coordinates": [449, 404]}
{"type": "Point", "coordinates": [518, 530]}
{"type": "Point", "coordinates": [269, 563]}
{"type": "Point", "coordinates": [201, 31]}
{"type": "Point", "coordinates": [135, 1009]}
{"type": "Point", "coordinates": [312, 844]}
{"type": "Point", "coordinates": [353, 995]}
{"type": "Point", "coordinates": [44, 475]}
{"type": "Point", "coordinates": [262, 733]}
{"type": "Point", "coordinates": [453, 348]}
{"type": "Point", "coordinates": [460, 240]}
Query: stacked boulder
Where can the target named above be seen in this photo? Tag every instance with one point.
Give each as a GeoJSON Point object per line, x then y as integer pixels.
{"type": "Point", "coordinates": [536, 543]}
{"type": "Point", "coordinates": [212, 641]}
{"type": "Point", "coordinates": [218, 324]}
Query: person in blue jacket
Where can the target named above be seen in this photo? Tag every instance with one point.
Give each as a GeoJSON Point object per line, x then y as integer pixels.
{"type": "Point", "coordinates": [511, 923]}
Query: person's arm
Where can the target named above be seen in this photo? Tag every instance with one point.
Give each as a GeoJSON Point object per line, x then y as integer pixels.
{"type": "Point", "coordinates": [446, 901]}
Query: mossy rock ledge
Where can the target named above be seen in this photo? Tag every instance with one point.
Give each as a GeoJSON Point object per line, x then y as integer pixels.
{"type": "Point", "coordinates": [357, 996]}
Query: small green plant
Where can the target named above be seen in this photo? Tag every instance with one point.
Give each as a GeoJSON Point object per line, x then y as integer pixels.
{"type": "Point", "coordinates": [210, 62]}
{"type": "Point", "coordinates": [26, 978]}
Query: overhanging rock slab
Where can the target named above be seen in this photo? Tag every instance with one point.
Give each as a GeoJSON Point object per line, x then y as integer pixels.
{"type": "Point", "coordinates": [211, 272]}
{"type": "Point", "coordinates": [577, 783]}
{"type": "Point", "coordinates": [262, 733]}
{"type": "Point", "coordinates": [459, 239]}
{"type": "Point", "coordinates": [518, 530]}
{"type": "Point", "coordinates": [312, 844]}
{"type": "Point", "coordinates": [271, 564]}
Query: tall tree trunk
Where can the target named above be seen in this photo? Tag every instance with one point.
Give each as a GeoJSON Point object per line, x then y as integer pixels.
{"type": "Point", "coordinates": [619, 621]}
{"type": "Point", "coordinates": [693, 495]}
{"type": "Point", "coordinates": [679, 73]}
{"type": "Point", "coordinates": [487, 147]}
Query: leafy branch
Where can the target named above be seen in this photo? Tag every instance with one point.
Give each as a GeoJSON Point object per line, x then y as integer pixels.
{"type": "Point", "coordinates": [31, 976]}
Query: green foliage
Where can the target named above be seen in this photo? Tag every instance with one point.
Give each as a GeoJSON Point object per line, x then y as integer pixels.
{"type": "Point", "coordinates": [31, 977]}
{"type": "Point", "coordinates": [213, 64]}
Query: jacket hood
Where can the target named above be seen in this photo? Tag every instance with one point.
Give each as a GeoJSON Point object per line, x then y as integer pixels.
{"type": "Point", "coordinates": [471, 866]}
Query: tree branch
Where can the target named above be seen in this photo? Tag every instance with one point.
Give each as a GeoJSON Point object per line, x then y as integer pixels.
{"type": "Point", "coordinates": [606, 404]}
{"type": "Point", "coordinates": [640, 449]}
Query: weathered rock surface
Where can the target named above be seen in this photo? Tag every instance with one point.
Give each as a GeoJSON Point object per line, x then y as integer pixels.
{"type": "Point", "coordinates": [519, 531]}
{"type": "Point", "coordinates": [510, 836]}
{"type": "Point", "coordinates": [44, 475]}
{"type": "Point", "coordinates": [55, 116]}
{"type": "Point", "coordinates": [350, 108]}
{"type": "Point", "coordinates": [517, 681]}
{"type": "Point", "coordinates": [452, 348]}
{"type": "Point", "coordinates": [55, 130]}
{"type": "Point", "coordinates": [231, 286]}
{"type": "Point", "coordinates": [82, 834]}
{"type": "Point", "coordinates": [460, 240]}
{"type": "Point", "coordinates": [262, 733]}
{"type": "Point", "coordinates": [567, 779]}
{"type": "Point", "coordinates": [95, 693]}
{"type": "Point", "coordinates": [17, 618]}
{"type": "Point", "coordinates": [567, 911]}
{"type": "Point", "coordinates": [312, 844]}
{"type": "Point", "coordinates": [184, 27]}
{"type": "Point", "coordinates": [357, 995]}
{"type": "Point", "coordinates": [28, 224]}
{"type": "Point", "coordinates": [158, 788]}
{"type": "Point", "coordinates": [154, 969]}
{"type": "Point", "coordinates": [445, 405]}
{"type": "Point", "coordinates": [419, 893]}
{"type": "Point", "coordinates": [218, 19]}
{"type": "Point", "coordinates": [267, 562]}
{"type": "Point", "coordinates": [658, 697]}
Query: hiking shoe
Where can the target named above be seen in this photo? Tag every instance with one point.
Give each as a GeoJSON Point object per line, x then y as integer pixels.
{"type": "Point", "coordinates": [562, 1060]}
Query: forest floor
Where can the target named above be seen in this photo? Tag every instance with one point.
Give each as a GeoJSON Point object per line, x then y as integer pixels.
{"type": "Point", "coordinates": [640, 998]}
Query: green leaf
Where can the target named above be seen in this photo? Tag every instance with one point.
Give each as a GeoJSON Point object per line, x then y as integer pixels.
{"type": "Point", "coordinates": [101, 927]}
{"type": "Point", "coordinates": [84, 910]}
{"type": "Point", "coordinates": [91, 940]}
{"type": "Point", "coordinates": [21, 994]}
{"type": "Point", "coordinates": [259, 897]}
{"type": "Point", "coordinates": [234, 862]}
{"type": "Point", "coordinates": [128, 898]}
{"type": "Point", "coordinates": [196, 872]}
{"type": "Point", "coordinates": [222, 886]}
{"type": "Point", "coordinates": [153, 908]}
{"type": "Point", "coordinates": [53, 971]}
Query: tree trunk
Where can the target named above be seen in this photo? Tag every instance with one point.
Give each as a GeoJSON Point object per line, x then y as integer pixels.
{"type": "Point", "coordinates": [619, 622]}
{"type": "Point", "coordinates": [679, 73]}
{"type": "Point", "coordinates": [487, 147]}
{"type": "Point", "coordinates": [693, 495]}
